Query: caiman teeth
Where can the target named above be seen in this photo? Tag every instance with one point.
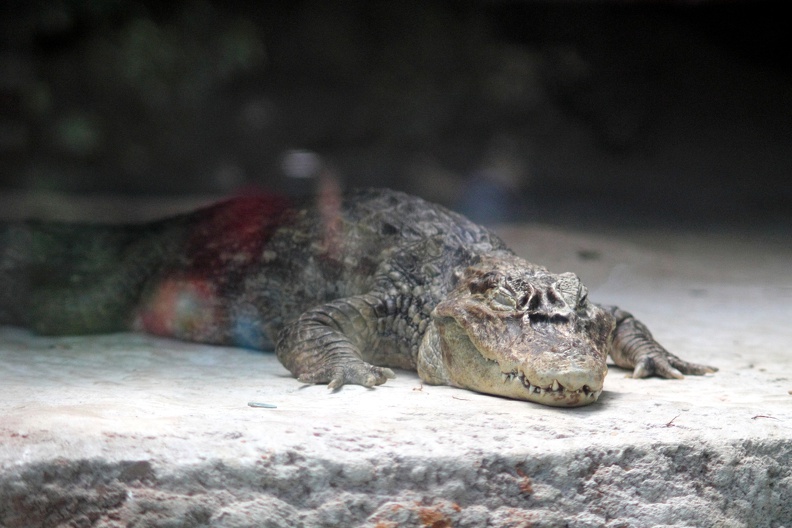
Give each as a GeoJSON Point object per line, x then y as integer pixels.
{"type": "Point", "coordinates": [585, 391]}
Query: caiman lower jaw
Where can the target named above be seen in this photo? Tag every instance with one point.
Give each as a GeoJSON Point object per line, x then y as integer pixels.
{"type": "Point", "coordinates": [555, 395]}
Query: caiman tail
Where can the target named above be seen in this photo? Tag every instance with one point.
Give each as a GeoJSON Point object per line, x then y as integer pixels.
{"type": "Point", "coordinates": [81, 278]}
{"type": "Point", "coordinates": [62, 278]}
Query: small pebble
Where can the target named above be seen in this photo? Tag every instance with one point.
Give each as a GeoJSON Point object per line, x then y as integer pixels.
{"type": "Point", "coordinates": [262, 405]}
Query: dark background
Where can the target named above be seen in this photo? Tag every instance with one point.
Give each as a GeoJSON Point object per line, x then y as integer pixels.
{"type": "Point", "coordinates": [623, 113]}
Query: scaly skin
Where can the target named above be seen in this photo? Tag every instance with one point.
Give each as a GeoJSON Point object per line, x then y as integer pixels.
{"type": "Point", "coordinates": [344, 291]}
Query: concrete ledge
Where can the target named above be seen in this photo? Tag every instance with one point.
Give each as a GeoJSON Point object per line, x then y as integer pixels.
{"type": "Point", "coordinates": [130, 430]}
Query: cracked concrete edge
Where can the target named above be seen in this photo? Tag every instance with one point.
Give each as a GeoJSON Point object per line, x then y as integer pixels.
{"type": "Point", "coordinates": [732, 484]}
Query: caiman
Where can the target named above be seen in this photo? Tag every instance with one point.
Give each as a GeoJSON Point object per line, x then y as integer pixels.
{"type": "Point", "coordinates": [344, 290]}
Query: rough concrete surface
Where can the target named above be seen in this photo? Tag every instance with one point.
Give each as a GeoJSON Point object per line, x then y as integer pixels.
{"type": "Point", "coordinates": [130, 430]}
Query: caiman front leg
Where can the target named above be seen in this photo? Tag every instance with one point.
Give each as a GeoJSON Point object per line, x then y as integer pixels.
{"type": "Point", "coordinates": [324, 344]}
{"type": "Point", "coordinates": [634, 348]}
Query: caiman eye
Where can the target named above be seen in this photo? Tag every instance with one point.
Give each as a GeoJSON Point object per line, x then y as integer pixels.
{"type": "Point", "coordinates": [583, 299]}
{"type": "Point", "coordinates": [504, 299]}
{"type": "Point", "coordinates": [583, 296]}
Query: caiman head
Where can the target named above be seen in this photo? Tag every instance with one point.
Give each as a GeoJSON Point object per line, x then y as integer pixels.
{"type": "Point", "coordinates": [514, 329]}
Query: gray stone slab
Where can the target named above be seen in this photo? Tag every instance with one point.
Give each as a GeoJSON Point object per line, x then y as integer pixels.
{"type": "Point", "coordinates": [131, 430]}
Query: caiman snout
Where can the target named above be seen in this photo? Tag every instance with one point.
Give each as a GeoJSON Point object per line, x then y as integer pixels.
{"type": "Point", "coordinates": [555, 368]}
